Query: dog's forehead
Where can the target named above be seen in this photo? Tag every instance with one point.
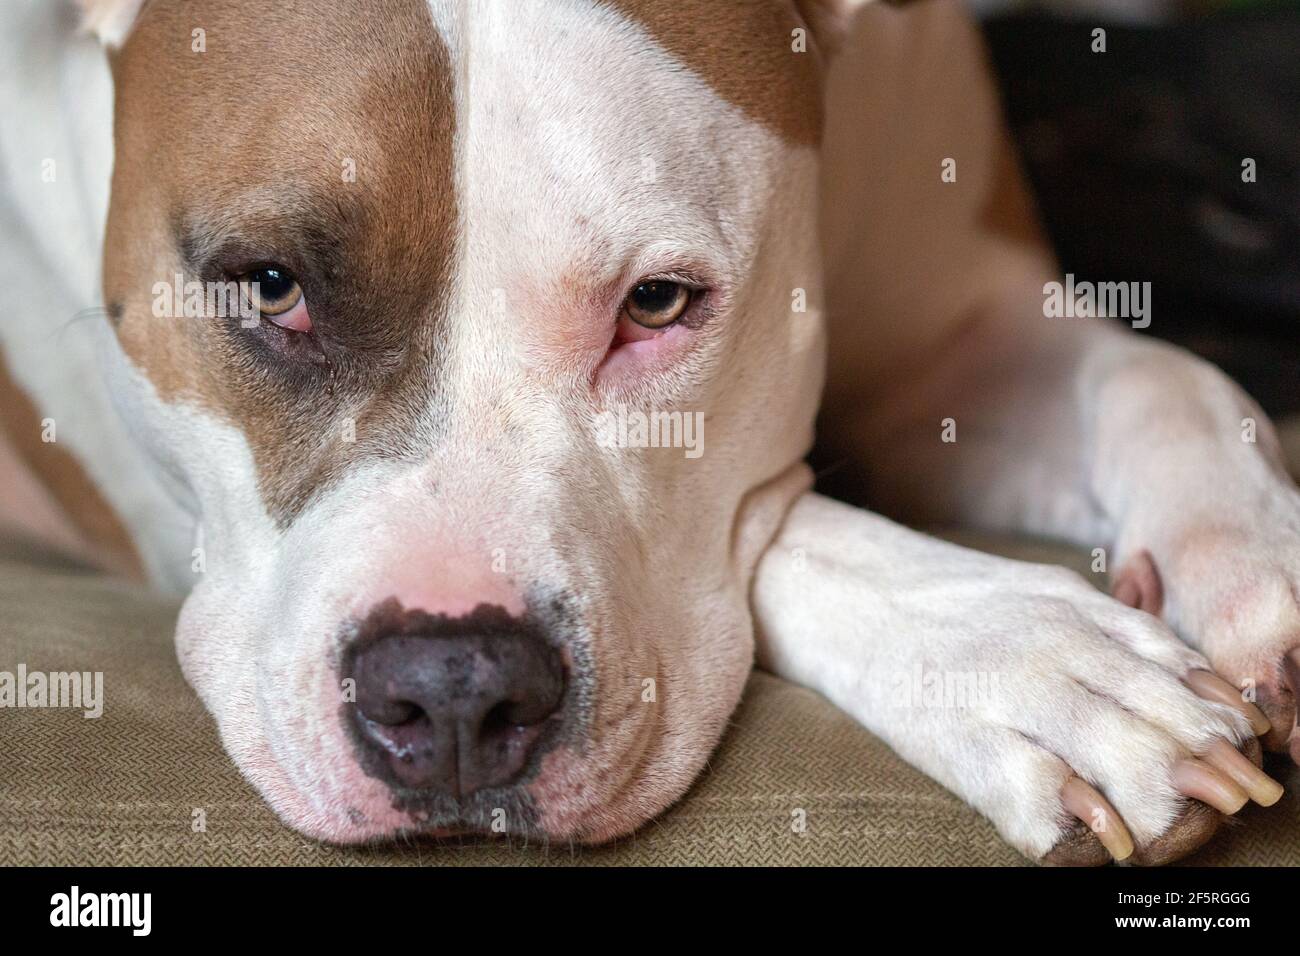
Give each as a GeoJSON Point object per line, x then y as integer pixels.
{"type": "Point", "coordinates": [373, 136]}
{"type": "Point", "coordinates": [752, 53]}
{"type": "Point", "coordinates": [755, 54]}
{"type": "Point", "coordinates": [748, 52]}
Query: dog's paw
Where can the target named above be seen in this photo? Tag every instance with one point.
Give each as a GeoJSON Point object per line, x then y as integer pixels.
{"type": "Point", "coordinates": [1103, 736]}
{"type": "Point", "coordinates": [1083, 729]}
{"type": "Point", "coordinates": [1232, 589]}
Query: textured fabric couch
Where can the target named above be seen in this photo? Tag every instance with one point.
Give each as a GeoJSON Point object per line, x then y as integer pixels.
{"type": "Point", "coordinates": [124, 788]}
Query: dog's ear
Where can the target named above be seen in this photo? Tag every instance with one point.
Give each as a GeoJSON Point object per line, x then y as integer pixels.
{"type": "Point", "coordinates": [110, 20]}
{"type": "Point", "coordinates": [830, 20]}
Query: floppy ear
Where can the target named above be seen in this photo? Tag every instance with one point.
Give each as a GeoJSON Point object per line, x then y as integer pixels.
{"type": "Point", "coordinates": [110, 20]}
{"type": "Point", "coordinates": [830, 20]}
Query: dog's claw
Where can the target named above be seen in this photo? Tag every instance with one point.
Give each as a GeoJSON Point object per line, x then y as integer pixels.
{"type": "Point", "coordinates": [1199, 780]}
{"type": "Point", "coordinates": [1084, 802]}
{"type": "Point", "coordinates": [1221, 782]}
{"type": "Point", "coordinates": [1261, 788]}
{"type": "Point", "coordinates": [1211, 686]}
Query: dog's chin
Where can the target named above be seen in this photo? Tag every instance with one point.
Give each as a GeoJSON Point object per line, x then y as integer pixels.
{"type": "Point", "coordinates": [402, 817]}
{"type": "Point", "coordinates": [569, 800]}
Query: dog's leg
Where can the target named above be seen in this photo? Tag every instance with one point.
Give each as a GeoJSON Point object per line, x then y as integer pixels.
{"type": "Point", "coordinates": [1019, 687]}
{"type": "Point", "coordinates": [962, 401]}
{"type": "Point", "coordinates": [1080, 430]}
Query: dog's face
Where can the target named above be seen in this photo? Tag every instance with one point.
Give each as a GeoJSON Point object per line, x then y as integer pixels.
{"type": "Point", "coordinates": [438, 585]}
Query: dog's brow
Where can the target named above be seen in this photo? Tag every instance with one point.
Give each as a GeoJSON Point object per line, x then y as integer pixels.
{"type": "Point", "coordinates": [300, 231]}
{"type": "Point", "coordinates": [198, 244]}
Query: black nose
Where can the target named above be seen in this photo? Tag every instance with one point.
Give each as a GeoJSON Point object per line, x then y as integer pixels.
{"type": "Point", "coordinates": [454, 710]}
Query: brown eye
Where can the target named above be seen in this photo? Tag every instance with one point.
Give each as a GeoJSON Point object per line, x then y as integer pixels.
{"type": "Point", "coordinates": [658, 304]}
{"type": "Point", "coordinates": [272, 290]}
{"type": "Point", "coordinates": [275, 294]}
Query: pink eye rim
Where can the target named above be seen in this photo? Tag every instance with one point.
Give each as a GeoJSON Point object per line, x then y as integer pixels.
{"type": "Point", "coordinates": [295, 319]}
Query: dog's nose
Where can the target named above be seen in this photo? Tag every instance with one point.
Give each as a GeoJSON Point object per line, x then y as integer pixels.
{"type": "Point", "coordinates": [454, 713]}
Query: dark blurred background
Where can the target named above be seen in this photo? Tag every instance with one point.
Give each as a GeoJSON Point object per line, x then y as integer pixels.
{"type": "Point", "coordinates": [1136, 157]}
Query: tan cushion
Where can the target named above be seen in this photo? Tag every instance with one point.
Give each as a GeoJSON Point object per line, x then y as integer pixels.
{"type": "Point", "coordinates": [123, 788]}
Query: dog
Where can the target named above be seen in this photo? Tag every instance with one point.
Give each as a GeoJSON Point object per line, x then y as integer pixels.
{"type": "Point", "coordinates": [332, 305]}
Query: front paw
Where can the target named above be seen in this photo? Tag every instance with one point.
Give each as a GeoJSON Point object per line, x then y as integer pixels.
{"type": "Point", "coordinates": [1231, 587]}
{"type": "Point", "coordinates": [1103, 737]}
{"type": "Point", "coordinates": [1084, 729]}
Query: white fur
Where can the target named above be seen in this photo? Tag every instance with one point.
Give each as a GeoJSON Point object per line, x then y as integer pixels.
{"type": "Point", "coordinates": [854, 606]}
{"type": "Point", "coordinates": [57, 96]}
{"type": "Point", "coordinates": [110, 20]}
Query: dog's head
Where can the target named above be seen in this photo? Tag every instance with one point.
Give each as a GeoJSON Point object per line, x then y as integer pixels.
{"type": "Point", "coordinates": [483, 340]}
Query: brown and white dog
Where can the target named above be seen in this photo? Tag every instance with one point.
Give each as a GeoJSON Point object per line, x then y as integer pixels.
{"type": "Point", "coordinates": [427, 590]}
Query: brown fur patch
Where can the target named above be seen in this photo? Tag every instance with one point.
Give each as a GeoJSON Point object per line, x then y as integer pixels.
{"type": "Point", "coordinates": [239, 155]}
{"type": "Point", "coordinates": [743, 50]}
{"type": "Point", "coordinates": [62, 475]}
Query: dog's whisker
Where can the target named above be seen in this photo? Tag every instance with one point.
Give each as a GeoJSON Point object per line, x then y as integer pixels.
{"type": "Point", "coordinates": [78, 317]}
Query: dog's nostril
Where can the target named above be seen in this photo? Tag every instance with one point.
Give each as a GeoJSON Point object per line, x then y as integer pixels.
{"type": "Point", "coordinates": [457, 709]}
{"type": "Point", "coordinates": [498, 720]}
{"type": "Point", "coordinates": [522, 713]}
{"type": "Point", "coordinates": [392, 713]}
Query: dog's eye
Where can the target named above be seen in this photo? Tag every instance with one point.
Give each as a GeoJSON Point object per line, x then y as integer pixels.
{"type": "Point", "coordinates": [657, 304]}
{"type": "Point", "coordinates": [276, 295]}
